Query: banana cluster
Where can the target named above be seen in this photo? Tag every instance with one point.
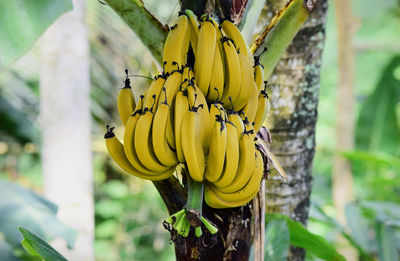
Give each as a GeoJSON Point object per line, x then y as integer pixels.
{"type": "Point", "coordinates": [203, 111]}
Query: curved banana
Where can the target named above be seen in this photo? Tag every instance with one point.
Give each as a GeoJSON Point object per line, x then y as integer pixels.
{"type": "Point", "coordinates": [217, 79]}
{"type": "Point", "coordinates": [246, 163]}
{"type": "Point", "coordinates": [194, 29]}
{"type": "Point", "coordinates": [116, 150]}
{"type": "Point", "coordinates": [258, 74]}
{"type": "Point", "coordinates": [204, 56]}
{"type": "Point", "coordinates": [176, 45]}
{"type": "Point", "coordinates": [213, 200]}
{"type": "Point", "coordinates": [195, 96]}
{"type": "Point", "coordinates": [262, 110]}
{"type": "Point", "coordinates": [163, 152]}
{"type": "Point", "coordinates": [126, 101]}
{"type": "Point", "coordinates": [216, 155]}
{"type": "Point", "coordinates": [233, 32]}
{"type": "Point", "coordinates": [142, 142]}
{"type": "Point", "coordinates": [171, 85]}
{"type": "Point", "coordinates": [250, 109]}
{"type": "Point", "coordinates": [235, 119]}
{"type": "Point", "coordinates": [191, 144]}
{"type": "Point", "coordinates": [233, 74]}
{"type": "Point", "coordinates": [181, 107]}
{"type": "Point", "coordinates": [247, 78]}
{"type": "Point", "coordinates": [153, 93]}
{"type": "Point", "coordinates": [250, 189]}
{"type": "Point", "coordinates": [231, 157]}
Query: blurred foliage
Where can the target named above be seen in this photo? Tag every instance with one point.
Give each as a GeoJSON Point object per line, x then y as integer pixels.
{"type": "Point", "coordinates": [128, 211]}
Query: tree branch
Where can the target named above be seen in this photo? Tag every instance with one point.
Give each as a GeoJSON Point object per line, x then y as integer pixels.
{"type": "Point", "coordinates": [148, 29]}
{"type": "Point", "coordinates": [280, 32]}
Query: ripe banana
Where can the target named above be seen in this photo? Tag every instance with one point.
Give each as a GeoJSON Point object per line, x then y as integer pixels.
{"type": "Point", "coordinates": [176, 45]}
{"type": "Point", "coordinates": [246, 83]}
{"type": "Point", "coordinates": [234, 117]}
{"type": "Point", "coordinates": [194, 29]}
{"type": "Point", "coordinates": [143, 142]}
{"type": "Point", "coordinates": [191, 144]}
{"type": "Point", "coordinates": [262, 110]}
{"type": "Point", "coordinates": [126, 101]}
{"type": "Point", "coordinates": [231, 161]}
{"type": "Point", "coordinates": [180, 108]}
{"type": "Point", "coordinates": [160, 145]}
{"type": "Point", "coordinates": [250, 189]}
{"type": "Point", "coordinates": [233, 32]}
{"type": "Point", "coordinates": [216, 155]}
{"type": "Point", "coordinates": [116, 150]}
{"type": "Point", "coordinates": [195, 96]}
{"type": "Point", "coordinates": [204, 56]}
{"type": "Point", "coordinates": [171, 85]}
{"type": "Point", "coordinates": [246, 163]}
{"type": "Point", "coordinates": [250, 109]}
{"type": "Point", "coordinates": [233, 74]}
{"type": "Point", "coordinates": [258, 74]}
{"type": "Point", "coordinates": [217, 79]}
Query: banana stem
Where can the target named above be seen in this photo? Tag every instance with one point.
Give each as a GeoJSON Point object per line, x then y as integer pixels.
{"type": "Point", "coordinates": [195, 195]}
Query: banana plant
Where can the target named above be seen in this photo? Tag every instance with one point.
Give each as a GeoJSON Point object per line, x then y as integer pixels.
{"type": "Point", "coordinates": [233, 240]}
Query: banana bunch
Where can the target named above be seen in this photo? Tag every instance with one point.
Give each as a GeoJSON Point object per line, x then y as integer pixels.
{"type": "Point", "coordinates": [203, 112]}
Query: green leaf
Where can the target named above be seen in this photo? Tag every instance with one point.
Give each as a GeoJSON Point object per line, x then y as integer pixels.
{"type": "Point", "coordinates": [357, 225]}
{"type": "Point", "coordinates": [150, 31]}
{"type": "Point", "coordinates": [279, 34]}
{"type": "Point", "coordinates": [277, 240]}
{"type": "Point", "coordinates": [22, 22]}
{"type": "Point", "coordinates": [22, 207]}
{"type": "Point", "coordinates": [386, 242]}
{"type": "Point", "coordinates": [374, 158]}
{"type": "Point", "coordinates": [301, 237]}
{"type": "Point", "coordinates": [385, 209]}
{"type": "Point", "coordinates": [36, 246]}
{"type": "Point", "coordinates": [377, 126]}
{"type": "Point", "coordinates": [250, 19]}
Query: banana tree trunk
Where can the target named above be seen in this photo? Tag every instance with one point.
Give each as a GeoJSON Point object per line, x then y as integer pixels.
{"type": "Point", "coordinates": [293, 90]}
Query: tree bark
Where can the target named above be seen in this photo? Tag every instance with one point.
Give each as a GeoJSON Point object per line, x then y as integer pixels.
{"type": "Point", "coordinates": [293, 90]}
{"type": "Point", "coordinates": [65, 120]}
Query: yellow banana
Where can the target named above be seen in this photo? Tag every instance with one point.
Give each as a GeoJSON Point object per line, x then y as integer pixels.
{"type": "Point", "coordinates": [160, 145]}
{"type": "Point", "coordinates": [234, 117]}
{"type": "Point", "coordinates": [233, 32]}
{"type": "Point", "coordinates": [129, 146]}
{"type": "Point", "coordinates": [231, 156]}
{"type": "Point", "coordinates": [250, 189]}
{"type": "Point", "coordinates": [258, 73]}
{"type": "Point", "coordinates": [217, 79]}
{"type": "Point", "coordinates": [191, 144]}
{"type": "Point", "coordinates": [213, 200]}
{"type": "Point", "coordinates": [126, 101]}
{"type": "Point", "coordinates": [180, 108]}
{"type": "Point", "coordinates": [116, 150]}
{"type": "Point", "coordinates": [176, 45]}
{"type": "Point", "coordinates": [250, 109]}
{"type": "Point", "coordinates": [194, 29]}
{"type": "Point", "coordinates": [262, 110]}
{"type": "Point", "coordinates": [204, 56]}
{"type": "Point", "coordinates": [142, 142]}
{"type": "Point", "coordinates": [246, 163]}
{"type": "Point", "coordinates": [233, 74]}
{"type": "Point", "coordinates": [216, 155]}
{"type": "Point", "coordinates": [246, 85]}
{"type": "Point", "coordinates": [195, 96]}
{"type": "Point", "coordinates": [171, 88]}
{"type": "Point", "coordinates": [152, 94]}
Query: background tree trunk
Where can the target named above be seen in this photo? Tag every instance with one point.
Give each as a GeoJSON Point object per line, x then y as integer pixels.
{"type": "Point", "coordinates": [342, 178]}
{"type": "Point", "coordinates": [65, 120]}
{"type": "Point", "coordinates": [294, 88]}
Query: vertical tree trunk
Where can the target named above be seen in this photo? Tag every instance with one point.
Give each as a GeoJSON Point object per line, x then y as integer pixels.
{"type": "Point", "coordinates": [342, 178]}
{"type": "Point", "coordinates": [294, 88]}
{"type": "Point", "coordinates": [65, 119]}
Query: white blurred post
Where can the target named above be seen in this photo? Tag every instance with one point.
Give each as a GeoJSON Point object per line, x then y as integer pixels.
{"type": "Point", "coordinates": [65, 122]}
